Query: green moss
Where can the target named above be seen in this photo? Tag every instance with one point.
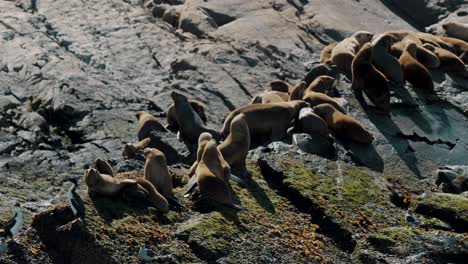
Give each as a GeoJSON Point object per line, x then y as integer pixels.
{"type": "Point", "coordinates": [446, 201]}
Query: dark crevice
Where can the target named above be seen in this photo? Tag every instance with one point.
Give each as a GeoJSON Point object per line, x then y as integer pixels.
{"type": "Point", "coordinates": [417, 138]}
{"type": "Point", "coordinates": [342, 237]}
{"type": "Point", "coordinates": [100, 147]}
{"type": "Point", "coordinates": [223, 98]}
{"type": "Point", "coordinates": [219, 18]}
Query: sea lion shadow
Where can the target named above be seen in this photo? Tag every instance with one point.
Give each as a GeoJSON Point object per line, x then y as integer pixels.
{"type": "Point", "coordinates": [17, 250]}
{"type": "Point", "coordinates": [258, 193]}
{"type": "Point", "coordinates": [366, 155]}
{"type": "Point", "coordinates": [391, 132]}
{"type": "Point", "coordinates": [415, 113]}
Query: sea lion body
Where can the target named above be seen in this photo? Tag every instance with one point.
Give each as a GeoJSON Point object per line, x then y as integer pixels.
{"type": "Point", "coordinates": [370, 80]}
{"type": "Point", "coordinates": [297, 92]}
{"type": "Point", "coordinates": [325, 55]}
{"type": "Point", "coordinates": [344, 52]}
{"type": "Point", "coordinates": [236, 146]}
{"type": "Point", "coordinates": [103, 167]}
{"type": "Point", "coordinates": [413, 71]}
{"type": "Point", "coordinates": [270, 97]}
{"type": "Point", "coordinates": [130, 150]}
{"type": "Point", "coordinates": [460, 47]}
{"type": "Point", "coordinates": [171, 119]}
{"type": "Point", "coordinates": [322, 84]}
{"type": "Point", "coordinates": [266, 121]}
{"type": "Point", "coordinates": [310, 123]}
{"type": "Point", "coordinates": [147, 123]}
{"type": "Point", "coordinates": [449, 61]}
{"type": "Point", "coordinates": [344, 126]}
{"type": "Point", "coordinates": [190, 123]}
{"type": "Point", "coordinates": [384, 61]}
{"type": "Point", "coordinates": [279, 86]}
{"type": "Point", "coordinates": [314, 99]}
{"type": "Point", "coordinates": [156, 171]}
{"type": "Point", "coordinates": [457, 30]}
{"type": "Point", "coordinates": [427, 58]}
{"type": "Point", "coordinates": [105, 184]}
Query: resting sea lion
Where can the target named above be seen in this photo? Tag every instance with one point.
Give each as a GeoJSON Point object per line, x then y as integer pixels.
{"type": "Point", "coordinates": [297, 91]}
{"type": "Point", "coordinates": [236, 146]}
{"type": "Point", "coordinates": [413, 71]}
{"type": "Point", "coordinates": [322, 84]}
{"type": "Point", "coordinates": [449, 61]}
{"type": "Point", "coordinates": [310, 123]}
{"type": "Point", "coordinates": [171, 119]}
{"type": "Point", "coordinates": [456, 29]}
{"type": "Point", "coordinates": [130, 150]}
{"type": "Point", "coordinates": [460, 47]}
{"type": "Point", "coordinates": [344, 52]}
{"type": "Point", "coordinates": [325, 55]}
{"type": "Point", "coordinates": [147, 123]}
{"type": "Point", "coordinates": [384, 61]}
{"type": "Point", "coordinates": [314, 99]}
{"type": "Point", "coordinates": [280, 86]}
{"type": "Point", "coordinates": [270, 97]}
{"type": "Point", "coordinates": [103, 167]}
{"type": "Point", "coordinates": [157, 173]}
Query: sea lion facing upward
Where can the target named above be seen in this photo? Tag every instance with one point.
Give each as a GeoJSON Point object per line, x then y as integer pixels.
{"type": "Point", "coordinates": [384, 61]}
{"type": "Point", "coordinates": [210, 175]}
{"type": "Point", "coordinates": [199, 108]}
{"type": "Point", "coordinates": [310, 123]}
{"type": "Point", "coordinates": [325, 55]}
{"type": "Point", "coordinates": [456, 29]}
{"type": "Point", "coordinates": [344, 126]}
{"type": "Point", "coordinates": [266, 121]}
{"type": "Point", "coordinates": [279, 86]}
{"type": "Point", "coordinates": [449, 61]}
{"type": "Point", "coordinates": [147, 123]}
{"type": "Point", "coordinates": [413, 71]}
{"type": "Point", "coordinates": [157, 173]}
{"type": "Point", "coordinates": [370, 80]}
{"type": "Point", "coordinates": [314, 99]}
{"type": "Point", "coordinates": [236, 146]}
{"type": "Point", "coordinates": [103, 167]}
{"type": "Point", "coordinates": [322, 84]}
{"type": "Point", "coordinates": [204, 138]}
{"type": "Point", "coordinates": [130, 150]}
{"type": "Point", "coordinates": [190, 124]}
{"type": "Point", "coordinates": [460, 47]}
{"type": "Point", "coordinates": [270, 97]}
{"type": "Point", "coordinates": [344, 52]}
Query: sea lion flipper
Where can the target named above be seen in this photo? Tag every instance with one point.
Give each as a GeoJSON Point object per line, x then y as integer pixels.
{"type": "Point", "coordinates": [191, 186]}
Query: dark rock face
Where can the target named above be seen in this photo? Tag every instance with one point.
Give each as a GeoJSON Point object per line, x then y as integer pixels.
{"type": "Point", "coordinates": [73, 74]}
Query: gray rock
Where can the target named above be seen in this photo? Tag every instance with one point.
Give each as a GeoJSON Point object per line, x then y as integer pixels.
{"type": "Point", "coordinates": [314, 144]}
{"type": "Point", "coordinates": [453, 179]}
{"type": "Point", "coordinates": [33, 121]}
{"type": "Point", "coordinates": [174, 150]}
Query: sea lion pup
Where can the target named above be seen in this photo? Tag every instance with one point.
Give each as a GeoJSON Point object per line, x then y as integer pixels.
{"type": "Point", "coordinates": [456, 29]}
{"type": "Point", "coordinates": [103, 167]}
{"type": "Point", "coordinates": [190, 124]}
{"type": "Point", "coordinates": [460, 47]}
{"type": "Point", "coordinates": [266, 121]}
{"type": "Point", "coordinates": [210, 175]}
{"type": "Point", "coordinates": [297, 91]}
{"type": "Point", "coordinates": [157, 173]}
{"type": "Point", "coordinates": [449, 61]}
{"type": "Point", "coordinates": [365, 77]}
{"type": "Point", "coordinates": [270, 97]}
{"type": "Point", "coordinates": [344, 52]}
{"type": "Point", "coordinates": [171, 119]}
{"type": "Point", "coordinates": [344, 126]}
{"type": "Point", "coordinates": [147, 123]}
{"type": "Point", "coordinates": [130, 150]}
{"type": "Point", "coordinates": [413, 71]}
{"type": "Point", "coordinates": [322, 84]}
{"type": "Point", "coordinates": [280, 86]}
{"type": "Point", "coordinates": [325, 55]}
{"type": "Point", "coordinates": [384, 61]}
{"type": "Point", "coordinates": [236, 146]}
{"type": "Point", "coordinates": [310, 123]}
{"type": "Point", "coordinates": [314, 99]}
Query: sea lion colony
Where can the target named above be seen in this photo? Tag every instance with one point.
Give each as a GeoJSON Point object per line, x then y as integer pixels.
{"type": "Point", "coordinates": [373, 60]}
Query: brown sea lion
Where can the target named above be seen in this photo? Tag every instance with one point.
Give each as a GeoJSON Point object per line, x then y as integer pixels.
{"type": "Point", "coordinates": [344, 126]}
{"type": "Point", "coordinates": [171, 119]}
{"type": "Point", "coordinates": [105, 184]}
{"type": "Point", "coordinates": [130, 150]}
{"type": "Point", "coordinates": [413, 71]}
{"type": "Point", "coordinates": [280, 86]}
{"type": "Point", "coordinates": [370, 80]}
{"type": "Point", "coordinates": [435, 41]}
{"type": "Point", "coordinates": [297, 91]}
{"type": "Point", "coordinates": [266, 121]}
{"type": "Point", "coordinates": [310, 123]}
{"type": "Point", "coordinates": [103, 167]}
{"type": "Point", "coordinates": [157, 173]}
{"type": "Point", "coordinates": [322, 84]}
{"type": "Point", "coordinates": [190, 123]}
{"type": "Point", "coordinates": [456, 29]}
{"type": "Point", "coordinates": [449, 61]}
{"type": "Point", "coordinates": [314, 99]}
{"type": "Point", "coordinates": [270, 97]}
{"type": "Point", "coordinates": [236, 146]}
{"type": "Point", "coordinates": [325, 55]}
{"type": "Point", "coordinates": [147, 123]}
{"type": "Point", "coordinates": [460, 47]}
{"type": "Point", "coordinates": [344, 52]}
{"type": "Point", "coordinates": [384, 61]}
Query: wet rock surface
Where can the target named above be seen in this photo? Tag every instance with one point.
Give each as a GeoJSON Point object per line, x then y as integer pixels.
{"type": "Point", "coordinates": [73, 74]}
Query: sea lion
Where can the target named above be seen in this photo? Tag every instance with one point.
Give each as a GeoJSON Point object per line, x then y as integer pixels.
{"type": "Point", "coordinates": [156, 171]}
{"type": "Point", "coordinates": [266, 121]}
{"type": "Point", "coordinates": [130, 150]}
{"type": "Point", "coordinates": [322, 84]}
{"type": "Point", "coordinates": [325, 55]}
{"type": "Point", "coordinates": [297, 91]}
{"type": "Point", "coordinates": [456, 29]}
{"type": "Point", "coordinates": [103, 167]}
{"type": "Point", "coordinates": [270, 97]}
{"type": "Point", "coordinates": [190, 123]}
{"type": "Point", "coordinates": [153, 196]}
{"type": "Point", "coordinates": [105, 184]}
{"type": "Point", "coordinates": [413, 71]}
{"type": "Point", "coordinates": [210, 175]}
{"type": "Point", "coordinates": [204, 138]}
{"type": "Point", "coordinates": [365, 77]}
{"type": "Point", "coordinates": [435, 41]}
{"type": "Point", "coordinates": [314, 99]}
{"type": "Point", "coordinates": [280, 86]}
{"type": "Point", "coordinates": [427, 58]}
{"type": "Point", "coordinates": [343, 125]}
{"type": "Point", "coordinates": [310, 123]}
{"type": "Point", "coordinates": [449, 61]}
{"type": "Point", "coordinates": [147, 123]}
{"type": "Point", "coordinates": [384, 61]}
{"type": "Point", "coordinates": [344, 52]}
{"type": "Point", "coordinates": [171, 119]}
{"type": "Point", "coordinates": [236, 146]}
{"type": "Point", "coordinates": [460, 47]}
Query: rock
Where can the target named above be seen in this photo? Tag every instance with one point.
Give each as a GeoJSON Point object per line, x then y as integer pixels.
{"type": "Point", "coordinates": [453, 179]}
{"type": "Point", "coordinates": [33, 121]}
{"type": "Point", "coordinates": [315, 144]}
{"type": "Point", "coordinates": [129, 165]}
{"type": "Point", "coordinates": [174, 150]}
{"type": "Point", "coordinates": [197, 22]}
{"type": "Point", "coordinates": [6, 104]}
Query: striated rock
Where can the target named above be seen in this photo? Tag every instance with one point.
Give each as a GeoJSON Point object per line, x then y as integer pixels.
{"type": "Point", "coordinates": [315, 144]}
{"type": "Point", "coordinates": [174, 150]}
{"type": "Point", "coordinates": [453, 179]}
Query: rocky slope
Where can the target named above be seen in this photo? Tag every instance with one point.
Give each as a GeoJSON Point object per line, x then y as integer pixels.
{"type": "Point", "coordinates": [73, 74]}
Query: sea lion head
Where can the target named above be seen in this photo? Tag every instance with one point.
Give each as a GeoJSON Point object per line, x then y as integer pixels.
{"type": "Point", "coordinates": [178, 97]}
{"type": "Point", "coordinates": [205, 136]}
{"type": "Point", "coordinates": [363, 36]}
{"type": "Point", "coordinates": [239, 127]}
{"type": "Point", "coordinates": [325, 81]}
{"type": "Point", "coordinates": [92, 177]}
{"type": "Point", "coordinates": [411, 47]}
{"type": "Point", "coordinates": [153, 153]}
{"type": "Point", "coordinates": [129, 150]}
{"type": "Point", "coordinates": [279, 85]}
{"type": "Point", "coordinates": [385, 40]}
{"type": "Point", "coordinates": [210, 152]}
{"type": "Point", "coordinates": [448, 25]}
